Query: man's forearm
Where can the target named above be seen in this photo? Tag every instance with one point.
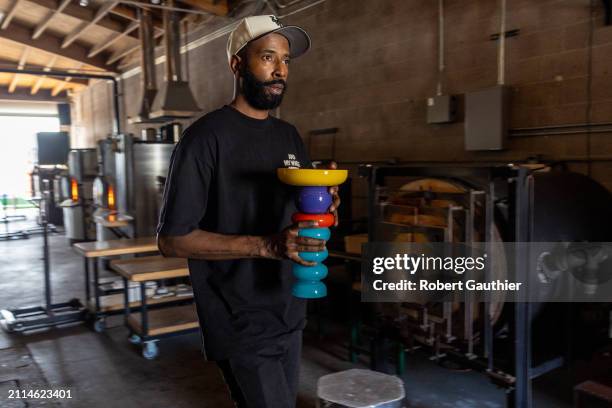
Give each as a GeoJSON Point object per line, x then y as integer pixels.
{"type": "Point", "coordinates": [201, 244]}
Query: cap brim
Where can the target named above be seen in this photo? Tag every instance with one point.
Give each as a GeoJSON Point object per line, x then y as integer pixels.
{"type": "Point", "coordinates": [299, 41]}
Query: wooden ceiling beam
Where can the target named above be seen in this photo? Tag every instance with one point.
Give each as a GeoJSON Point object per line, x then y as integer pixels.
{"type": "Point", "coordinates": [130, 14]}
{"type": "Point", "coordinates": [9, 14]}
{"type": "Point", "coordinates": [104, 45]}
{"type": "Point", "coordinates": [216, 7]}
{"type": "Point", "coordinates": [122, 53]}
{"type": "Point", "coordinates": [41, 78]}
{"type": "Point", "coordinates": [23, 94]}
{"type": "Point", "coordinates": [20, 66]}
{"type": "Point", "coordinates": [52, 44]}
{"type": "Point", "coordinates": [62, 84]}
{"type": "Point", "coordinates": [85, 14]}
{"type": "Point", "coordinates": [40, 29]}
{"type": "Point", "coordinates": [100, 13]}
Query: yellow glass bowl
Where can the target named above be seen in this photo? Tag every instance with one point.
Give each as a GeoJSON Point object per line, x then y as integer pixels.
{"type": "Point", "coordinates": [312, 177]}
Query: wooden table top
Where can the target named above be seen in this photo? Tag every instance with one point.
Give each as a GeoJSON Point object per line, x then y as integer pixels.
{"type": "Point", "coordinates": [150, 268]}
{"type": "Point", "coordinates": [166, 320]}
{"type": "Point", "coordinates": [122, 246]}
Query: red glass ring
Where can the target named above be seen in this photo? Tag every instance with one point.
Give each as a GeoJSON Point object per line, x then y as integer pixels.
{"type": "Point", "coordinates": [324, 220]}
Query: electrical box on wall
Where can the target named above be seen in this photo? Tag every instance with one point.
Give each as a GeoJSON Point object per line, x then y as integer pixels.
{"type": "Point", "coordinates": [441, 109]}
{"type": "Point", "coordinates": [486, 118]}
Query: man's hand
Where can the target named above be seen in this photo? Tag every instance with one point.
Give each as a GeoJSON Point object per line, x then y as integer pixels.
{"type": "Point", "coordinates": [333, 190]}
{"type": "Point", "coordinates": [287, 244]}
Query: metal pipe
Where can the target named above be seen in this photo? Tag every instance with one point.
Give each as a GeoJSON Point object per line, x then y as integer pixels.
{"type": "Point", "coordinates": [562, 126]}
{"type": "Point", "coordinates": [116, 119]}
{"type": "Point", "coordinates": [147, 58]}
{"type": "Point", "coordinates": [440, 45]}
{"type": "Point", "coordinates": [572, 132]}
{"type": "Point", "coordinates": [281, 6]}
{"type": "Point", "coordinates": [148, 81]}
{"type": "Point", "coordinates": [29, 115]}
{"type": "Point", "coordinates": [170, 8]}
{"type": "Point", "coordinates": [475, 162]}
{"type": "Point", "coordinates": [522, 393]}
{"type": "Point", "coordinates": [501, 63]}
{"type": "Point", "coordinates": [186, 32]}
{"type": "Point", "coordinates": [302, 8]}
{"type": "Point", "coordinates": [62, 74]}
{"type": "Point", "coordinates": [44, 219]}
{"type": "Point", "coordinates": [172, 45]}
{"type": "Point", "coordinates": [65, 74]}
{"type": "Point", "coordinates": [589, 85]}
{"type": "Point", "coordinates": [587, 159]}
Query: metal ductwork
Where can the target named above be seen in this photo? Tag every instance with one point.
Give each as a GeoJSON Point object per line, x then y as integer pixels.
{"type": "Point", "coordinates": [147, 63]}
{"type": "Point", "coordinates": [175, 99]}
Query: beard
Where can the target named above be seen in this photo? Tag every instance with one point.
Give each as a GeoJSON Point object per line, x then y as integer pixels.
{"type": "Point", "coordinates": [257, 94]}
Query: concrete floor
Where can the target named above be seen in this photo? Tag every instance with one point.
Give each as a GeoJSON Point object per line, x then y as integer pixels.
{"type": "Point", "coordinates": [103, 370]}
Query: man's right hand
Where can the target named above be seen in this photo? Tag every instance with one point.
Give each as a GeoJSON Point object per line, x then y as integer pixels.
{"type": "Point", "coordinates": [287, 244]}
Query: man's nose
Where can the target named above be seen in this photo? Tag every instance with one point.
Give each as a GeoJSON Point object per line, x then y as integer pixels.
{"type": "Point", "coordinates": [280, 70]}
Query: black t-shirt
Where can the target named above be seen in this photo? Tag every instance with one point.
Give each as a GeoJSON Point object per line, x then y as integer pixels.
{"type": "Point", "coordinates": [222, 179]}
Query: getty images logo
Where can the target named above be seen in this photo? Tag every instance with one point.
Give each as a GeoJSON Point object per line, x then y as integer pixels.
{"type": "Point", "coordinates": [276, 21]}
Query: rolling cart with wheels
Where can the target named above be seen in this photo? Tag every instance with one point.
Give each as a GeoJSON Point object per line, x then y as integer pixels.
{"type": "Point", "coordinates": [155, 320]}
{"type": "Point", "coordinates": [101, 302]}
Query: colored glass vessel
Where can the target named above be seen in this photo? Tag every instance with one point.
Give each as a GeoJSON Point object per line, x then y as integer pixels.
{"type": "Point", "coordinates": [313, 201]}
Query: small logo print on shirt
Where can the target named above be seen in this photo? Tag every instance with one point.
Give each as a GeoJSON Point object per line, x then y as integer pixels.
{"type": "Point", "coordinates": [291, 162]}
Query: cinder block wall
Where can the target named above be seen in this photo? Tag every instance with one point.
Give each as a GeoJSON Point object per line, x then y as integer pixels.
{"type": "Point", "coordinates": [374, 63]}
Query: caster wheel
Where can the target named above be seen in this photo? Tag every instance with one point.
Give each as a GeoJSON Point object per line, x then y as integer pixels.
{"type": "Point", "coordinates": [100, 325]}
{"type": "Point", "coordinates": [74, 303]}
{"type": "Point", "coordinates": [150, 350]}
{"type": "Point", "coordinates": [134, 339]}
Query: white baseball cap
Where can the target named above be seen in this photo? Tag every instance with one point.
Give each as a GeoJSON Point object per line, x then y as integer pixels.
{"type": "Point", "coordinates": [254, 27]}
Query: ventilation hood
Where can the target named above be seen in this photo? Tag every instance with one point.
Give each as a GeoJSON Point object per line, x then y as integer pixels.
{"type": "Point", "coordinates": [147, 63]}
{"type": "Point", "coordinates": [174, 100]}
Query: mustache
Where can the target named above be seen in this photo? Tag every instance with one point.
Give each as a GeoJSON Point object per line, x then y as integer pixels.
{"type": "Point", "coordinates": [275, 82]}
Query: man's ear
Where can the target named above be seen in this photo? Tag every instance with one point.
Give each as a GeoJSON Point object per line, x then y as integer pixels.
{"type": "Point", "coordinates": [235, 62]}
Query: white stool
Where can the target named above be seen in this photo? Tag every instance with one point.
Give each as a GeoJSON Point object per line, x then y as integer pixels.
{"type": "Point", "coordinates": [360, 389]}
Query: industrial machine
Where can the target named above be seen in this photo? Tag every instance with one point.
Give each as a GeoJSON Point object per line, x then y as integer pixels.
{"type": "Point", "coordinates": [513, 343]}
{"type": "Point", "coordinates": [127, 190]}
{"type": "Point", "coordinates": [52, 159]}
{"type": "Point", "coordinates": [39, 176]}
{"type": "Point", "coordinates": [77, 194]}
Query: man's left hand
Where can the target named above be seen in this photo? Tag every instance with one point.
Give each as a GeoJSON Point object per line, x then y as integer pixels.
{"type": "Point", "coordinates": [333, 190]}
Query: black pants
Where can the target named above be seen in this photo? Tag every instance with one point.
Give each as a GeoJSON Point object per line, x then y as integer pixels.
{"type": "Point", "coordinates": [265, 378]}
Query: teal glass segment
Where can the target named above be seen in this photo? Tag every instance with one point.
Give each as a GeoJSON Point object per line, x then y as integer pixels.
{"type": "Point", "coordinates": [318, 233]}
{"type": "Point", "coordinates": [309, 289]}
{"type": "Point", "coordinates": [314, 256]}
{"type": "Point", "coordinates": [309, 273]}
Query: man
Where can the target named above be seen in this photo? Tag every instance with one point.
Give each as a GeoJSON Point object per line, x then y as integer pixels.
{"type": "Point", "coordinates": [225, 210]}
